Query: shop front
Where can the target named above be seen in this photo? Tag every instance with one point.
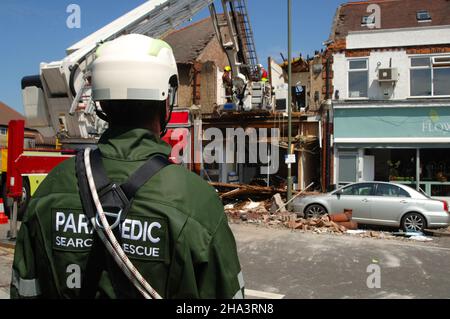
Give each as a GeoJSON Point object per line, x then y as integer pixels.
{"type": "Point", "coordinates": [406, 143]}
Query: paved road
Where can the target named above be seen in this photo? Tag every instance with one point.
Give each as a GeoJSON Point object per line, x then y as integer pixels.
{"type": "Point", "coordinates": [6, 259]}
{"type": "Point", "coordinates": [282, 263]}
{"type": "Point", "coordinates": [305, 265]}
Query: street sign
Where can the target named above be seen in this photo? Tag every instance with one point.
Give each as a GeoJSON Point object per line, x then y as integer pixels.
{"type": "Point", "coordinates": [290, 159]}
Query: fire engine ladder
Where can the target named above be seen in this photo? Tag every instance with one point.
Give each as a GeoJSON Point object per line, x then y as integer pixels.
{"type": "Point", "coordinates": [227, 36]}
{"type": "Point", "coordinates": [168, 16]}
{"type": "Point", "coordinates": [237, 41]}
{"type": "Point", "coordinates": [251, 59]}
{"type": "Point", "coordinates": [154, 18]}
{"type": "Point", "coordinates": [246, 34]}
{"type": "Point", "coordinates": [235, 34]}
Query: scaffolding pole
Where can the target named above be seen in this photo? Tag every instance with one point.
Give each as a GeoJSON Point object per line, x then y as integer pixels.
{"type": "Point", "coordinates": [289, 178]}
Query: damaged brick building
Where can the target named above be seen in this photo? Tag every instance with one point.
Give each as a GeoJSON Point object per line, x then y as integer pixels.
{"type": "Point", "coordinates": [201, 61]}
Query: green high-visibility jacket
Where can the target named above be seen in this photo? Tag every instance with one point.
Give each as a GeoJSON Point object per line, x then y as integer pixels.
{"type": "Point", "coordinates": [176, 232]}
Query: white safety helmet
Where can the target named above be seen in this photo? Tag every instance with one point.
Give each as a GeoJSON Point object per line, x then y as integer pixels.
{"type": "Point", "coordinates": [134, 67]}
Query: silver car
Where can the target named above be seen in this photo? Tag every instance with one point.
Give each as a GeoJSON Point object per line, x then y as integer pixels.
{"type": "Point", "coordinates": [379, 203]}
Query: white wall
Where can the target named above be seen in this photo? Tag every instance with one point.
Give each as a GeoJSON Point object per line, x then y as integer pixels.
{"type": "Point", "coordinates": [390, 38]}
{"type": "Point", "coordinates": [377, 59]}
{"type": "Point", "coordinates": [398, 37]}
{"type": "Point", "coordinates": [277, 74]}
{"type": "Point", "coordinates": [340, 75]}
{"type": "Point", "coordinates": [220, 88]}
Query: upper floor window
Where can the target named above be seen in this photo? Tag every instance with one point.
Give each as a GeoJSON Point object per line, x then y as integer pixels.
{"type": "Point", "coordinates": [3, 130]}
{"type": "Point", "coordinates": [423, 16]}
{"type": "Point", "coordinates": [368, 20]}
{"type": "Point", "coordinates": [430, 76]}
{"type": "Point", "coordinates": [358, 78]}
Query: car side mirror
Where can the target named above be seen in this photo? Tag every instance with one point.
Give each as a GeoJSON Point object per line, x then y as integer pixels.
{"type": "Point", "coordinates": [338, 193]}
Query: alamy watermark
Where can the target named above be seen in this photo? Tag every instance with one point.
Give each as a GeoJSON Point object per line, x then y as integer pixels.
{"type": "Point", "coordinates": [373, 281]}
{"type": "Point", "coordinates": [374, 19]}
{"type": "Point", "coordinates": [74, 19]}
{"type": "Point", "coordinates": [228, 146]}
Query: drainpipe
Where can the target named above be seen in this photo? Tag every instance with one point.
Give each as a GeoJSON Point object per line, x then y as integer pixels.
{"type": "Point", "coordinates": [328, 162]}
{"type": "Point", "coordinates": [289, 177]}
{"type": "Point", "coordinates": [327, 133]}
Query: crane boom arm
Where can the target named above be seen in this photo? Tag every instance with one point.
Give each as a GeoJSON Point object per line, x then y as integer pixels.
{"type": "Point", "coordinates": [57, 101]}
{"type": "Point", "coordinates": [51, 100]}
{"type": "Point", "coordinates": [153, 18]}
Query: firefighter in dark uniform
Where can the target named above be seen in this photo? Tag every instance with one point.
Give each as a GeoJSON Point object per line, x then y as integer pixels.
{"type": "Point", "coordinates": [228, 83]}
{"type": "Point", "coordinates": [175, 232]}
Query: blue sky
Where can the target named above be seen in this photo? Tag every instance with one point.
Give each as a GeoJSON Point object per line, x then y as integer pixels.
{"type": "Point", "coordinates": [35, 31]}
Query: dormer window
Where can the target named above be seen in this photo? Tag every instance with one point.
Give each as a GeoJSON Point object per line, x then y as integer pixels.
{"type": "Point", "coordinates": [368, 20]}
{"type": "Point", "coordinates": [423, 16]}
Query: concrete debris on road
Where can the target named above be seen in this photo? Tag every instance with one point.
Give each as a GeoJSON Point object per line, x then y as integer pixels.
{"type": "Point", "coordinates": [267, 213]}
{"type": "Point", "coordinates": [443, 232]}
{"type": "Point", "coordinates": [278, 204]}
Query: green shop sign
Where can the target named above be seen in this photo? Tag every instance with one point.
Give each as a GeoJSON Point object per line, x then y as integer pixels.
{"type": "Point", "coordinates": [388, 122]}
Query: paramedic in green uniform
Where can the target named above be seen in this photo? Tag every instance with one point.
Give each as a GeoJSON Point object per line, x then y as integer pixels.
{"type": "Point", "coordinates": [176, 233]}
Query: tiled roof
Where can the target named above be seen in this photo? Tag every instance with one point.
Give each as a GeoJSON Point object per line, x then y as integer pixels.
{"type": "Point", "coordinates": [188, 43]}
{"type": "Point", "coordinates": [395, 14]}
{"type": "Point", "coordinates": [7, 114]}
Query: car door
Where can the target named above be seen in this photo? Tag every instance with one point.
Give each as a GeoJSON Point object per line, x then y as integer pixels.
{"type": "Point", "coordinates": [388, 204]}
{"type": "Point", "coordinates": [356, 197]}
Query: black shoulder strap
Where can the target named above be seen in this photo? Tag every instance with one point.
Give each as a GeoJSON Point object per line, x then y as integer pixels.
{"type": "Point", "coordinates": [135, 181]}
{"type": "Point", "coordinates": [83, 186]}
{"type": "Point", "coordinates": [96, 262]}
{"type": "Point", "coordinates": [129, 187]}
{"type": "Point", "coordinates": [98, 170]}
{"type": "Point", "coordinates": [144, 174]}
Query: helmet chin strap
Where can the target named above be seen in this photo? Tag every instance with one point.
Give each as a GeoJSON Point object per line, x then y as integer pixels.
{"type": "Point", "coordinates": [164, 120]}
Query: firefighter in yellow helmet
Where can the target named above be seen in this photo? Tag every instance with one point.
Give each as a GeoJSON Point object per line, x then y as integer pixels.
{"type": "Point", "coordinates": [228, 83]}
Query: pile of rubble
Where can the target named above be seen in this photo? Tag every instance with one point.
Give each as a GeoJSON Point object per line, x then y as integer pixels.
{"type": "Point", "coordinates": [272, 213]}
{"type": "Point", "coordinates": [324, 224]}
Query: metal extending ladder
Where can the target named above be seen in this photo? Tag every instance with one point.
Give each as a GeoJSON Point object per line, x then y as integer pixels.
{"type": "Point", "coordinates": [154, 18]}
{"type": "Point", "coordinates": [168, 16]}
{"type": "Point", "coordinates": [246, 34]}
{"type": "Point", "coordinates": [240, 48]}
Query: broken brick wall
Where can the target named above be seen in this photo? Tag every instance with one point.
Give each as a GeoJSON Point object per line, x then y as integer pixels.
{"type": "Point", "coordinates": [185, 89]}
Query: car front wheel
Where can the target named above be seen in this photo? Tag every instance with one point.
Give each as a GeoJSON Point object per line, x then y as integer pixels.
{"type": "Point", "coordinates": [413, 222]}
{"type": "Point", "coordinates": [315, 211]}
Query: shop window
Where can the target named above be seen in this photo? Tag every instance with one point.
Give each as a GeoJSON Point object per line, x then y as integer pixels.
{"type": "Point", "coordinates": [430, 76]}
{"type": "Point", "coordinates": [435, 165]}
{"type": "Point", "coordinates": [358, 78]}
{"type": "Point", "coordinates": [395, 165]}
